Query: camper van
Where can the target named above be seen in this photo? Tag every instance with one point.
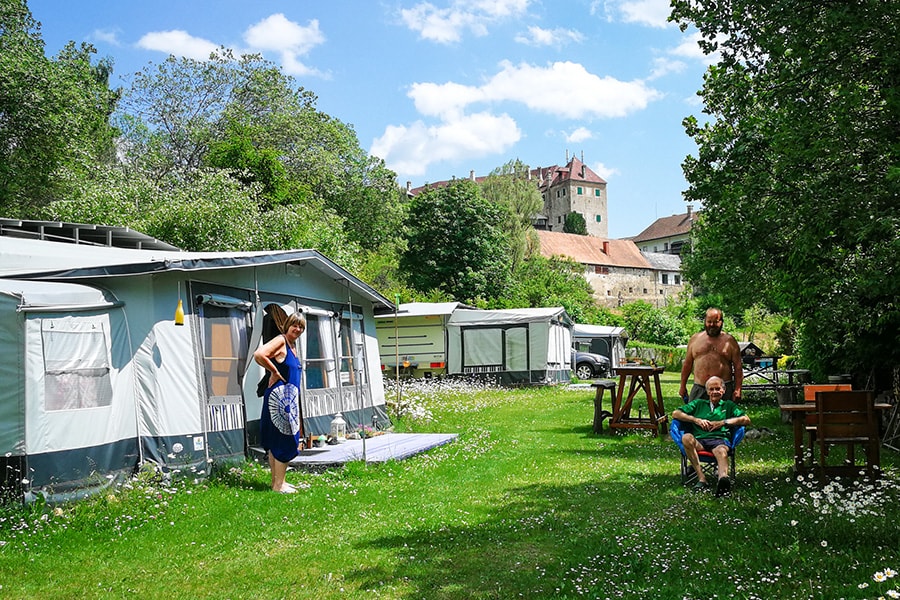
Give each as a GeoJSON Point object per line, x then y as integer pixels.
{"type": "Point", "coordinates": [412, 340]}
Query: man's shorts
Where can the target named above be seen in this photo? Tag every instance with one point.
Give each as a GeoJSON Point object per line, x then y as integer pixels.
{"type": "Point", "coordinates": [699, 391]}
{"type": "Point", "coordinates": [710, 443]}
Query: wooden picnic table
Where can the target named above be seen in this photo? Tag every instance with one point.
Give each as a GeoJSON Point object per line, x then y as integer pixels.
{"type": "Point", "coordinates": [642, 378]}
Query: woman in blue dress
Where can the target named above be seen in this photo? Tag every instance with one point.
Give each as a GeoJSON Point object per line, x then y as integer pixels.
{"type": "Point", "coordinates": [281, 422]}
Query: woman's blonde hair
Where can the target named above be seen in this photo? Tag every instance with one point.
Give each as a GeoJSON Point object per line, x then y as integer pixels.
{"type": "Point", "coordinates": [294, 319]}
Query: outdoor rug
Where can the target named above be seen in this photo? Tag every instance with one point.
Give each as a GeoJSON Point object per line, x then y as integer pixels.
{"type": "Point", "coordinates": [381, 448]}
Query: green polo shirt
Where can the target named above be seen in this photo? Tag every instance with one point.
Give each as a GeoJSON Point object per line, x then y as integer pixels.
{"type": "Point", "coordinates": [703, 409]}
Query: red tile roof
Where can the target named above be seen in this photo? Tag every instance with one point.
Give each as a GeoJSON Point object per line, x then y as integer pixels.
{"type": "Point", "coordinates": [589, 250]}
{"type": "Point", "coordinates": [668, 227]}
{"type": "Point", "coordinates": [575, 171]}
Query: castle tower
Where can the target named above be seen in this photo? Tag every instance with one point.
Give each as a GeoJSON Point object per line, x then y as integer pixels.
{"type": "Point", "coordinates": [574, 188]}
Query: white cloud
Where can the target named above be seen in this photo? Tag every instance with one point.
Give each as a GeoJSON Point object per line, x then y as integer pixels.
{"type": "Point", "coordinates": [443, 99]}
{"type": "Point", "coordinates": [694, 100]}
{"type": "Point", "coordinates": [273, 34]}
{"type": "Point", "coordinates": [689, 48]}
{"type": "Point", "coordinates": [409, 150]}
{"type": "Point", "coordinates": [563, 89]}
{"type": "Point", "coordinates": [653, 13]}
{"type": "Point", "coordinates": [663, 66]}
{"type": "Point", "coordinates": [278, 33]}
{"type": "Point", "coordinates": [568, 90]}
{"type": "Point", "coordinates": [604, 171]}
{"type": "Point", "coordinates": [497, 8]}
{"type": "Point", "coordinates": [179, 43]}
{"type": "Point", "coordinates": [538, 36]}
{"type": "Point", "coordinates": [447, 25]}
{"type": "Point", "coordinates": [291, 40]}
{"type": "Point", "coordinates": [579, 135]}
{"type": "Point", "coordinates": [106, 36]}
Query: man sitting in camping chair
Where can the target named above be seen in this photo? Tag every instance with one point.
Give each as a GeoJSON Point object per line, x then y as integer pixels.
{"type": "Point", "coordinates": [711, 420]}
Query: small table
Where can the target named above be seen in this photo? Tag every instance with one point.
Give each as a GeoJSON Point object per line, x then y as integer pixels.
{"type": "Point", "coordinates": [641, 376]}
{"type": "Point", "coordinates": [798, 414]}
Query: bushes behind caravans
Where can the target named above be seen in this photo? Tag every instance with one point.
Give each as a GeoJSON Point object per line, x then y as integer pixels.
{"type": "Point", "coordinates": [668, 357]}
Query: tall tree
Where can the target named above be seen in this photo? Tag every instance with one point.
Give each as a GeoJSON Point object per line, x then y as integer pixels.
{"type": "Point", "coordinates": [245, 114]}
{"type": "Point", "coordinates": [456, 243]}
{"type": "Point", "coordinates": [511, 187]}
{"type": "Point", "coordinates": [173, 111]}
{"type": "Point", "coordinates": [204, 210]}
{"type": "Point", "coordinates": [575, 224]}
{"type": "Point", "coordinates": [54, 113]}
{"type": "Point", "coordinates": [797, 170]}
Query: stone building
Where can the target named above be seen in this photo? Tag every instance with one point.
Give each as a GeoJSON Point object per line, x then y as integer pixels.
{"type": "Point", "coordinates": [616, 270]}
{"type": "Point", "coordinates": [668, 234]}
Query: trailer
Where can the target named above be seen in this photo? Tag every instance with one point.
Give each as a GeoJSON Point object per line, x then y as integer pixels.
{"type": "Point", "coordinates": [412, 340]}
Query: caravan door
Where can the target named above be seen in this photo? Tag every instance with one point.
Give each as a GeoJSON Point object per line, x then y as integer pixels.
{"type": "Point", "coordinates": [224, 324]}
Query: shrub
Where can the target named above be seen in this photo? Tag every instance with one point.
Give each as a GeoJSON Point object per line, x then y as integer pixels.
{"type": "Point", "coordinates": [669, 357]}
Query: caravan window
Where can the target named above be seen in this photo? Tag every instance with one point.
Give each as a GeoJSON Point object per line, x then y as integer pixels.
{"type": "Point", "coordinates": [483, 348]}
{"type": "Point", "coordinates": [320, 363]}
{"type": "Point", "coordinates": [517, 349]}
{"type": "Point", "coordinates": [76, 364]}
{"type": "Point", "coordinates": [224, 347]}
{"type": "Point", "coordinates": [352, 359]}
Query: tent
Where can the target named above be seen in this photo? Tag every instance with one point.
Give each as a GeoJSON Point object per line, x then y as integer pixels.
{"type": "Point", "coordinates": [514, 346]}
{"type": "Point", "coordinates": [415, 337]}
{"type": "Point", "coordinates": [601, 339]}
{"type": "Point", "coordinates": [99, 378]}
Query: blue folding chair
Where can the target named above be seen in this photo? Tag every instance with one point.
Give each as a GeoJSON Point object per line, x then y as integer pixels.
{"type": "Point", "coordinates": [707, 461]}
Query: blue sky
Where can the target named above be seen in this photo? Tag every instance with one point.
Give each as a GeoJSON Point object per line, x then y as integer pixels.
{"type": "Point", "coordinates": [442, 88]}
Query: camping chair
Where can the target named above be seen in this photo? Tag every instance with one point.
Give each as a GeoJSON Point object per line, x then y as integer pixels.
{"type": "Point", "coordinates": [707, 461]}
{"type": "Point", "coordinates": [847, 419]}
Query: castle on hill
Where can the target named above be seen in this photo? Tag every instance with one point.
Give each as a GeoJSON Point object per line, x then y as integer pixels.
{"type": "Point", "coordinates": [573, 187]}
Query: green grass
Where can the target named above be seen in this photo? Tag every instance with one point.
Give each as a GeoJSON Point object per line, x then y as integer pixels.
{"type": "Point", "coordinates": [527, 503]}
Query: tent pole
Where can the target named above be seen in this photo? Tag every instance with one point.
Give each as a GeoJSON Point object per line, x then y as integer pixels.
{"type": "Point", "coordinates": [354, 367]}
{"type": "Point", "coordinates": [397, 348]}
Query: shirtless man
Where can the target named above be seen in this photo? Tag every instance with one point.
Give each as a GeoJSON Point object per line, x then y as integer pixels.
{"type": "Point", "coordinates": [712, 352]}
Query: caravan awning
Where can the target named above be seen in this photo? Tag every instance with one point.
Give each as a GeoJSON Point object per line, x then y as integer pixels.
{"type": "Point", "coordinates": [424, 309]}
{"type": "Point", "coordinates": [510, 316]}
{"type": "Point", "coordinates": [46, 296]}
{"type": "Point", "coordinates": [597, 330]}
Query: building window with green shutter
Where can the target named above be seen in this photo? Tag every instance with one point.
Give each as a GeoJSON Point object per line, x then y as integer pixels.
{"type": "Point", "coordinates": [599, 218]}
{"type": "Point", "coordinates": [579, 191]}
